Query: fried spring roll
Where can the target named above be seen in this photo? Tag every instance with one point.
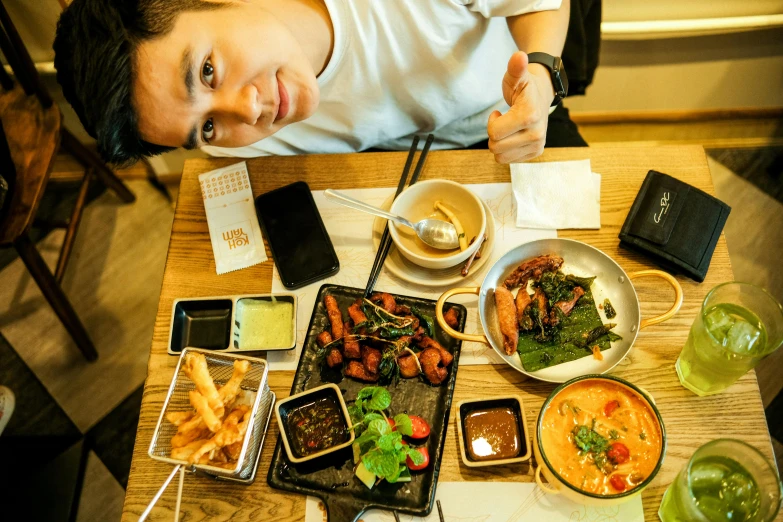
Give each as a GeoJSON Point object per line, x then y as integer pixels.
{"type": "Point", "coordinates": [507, 317]}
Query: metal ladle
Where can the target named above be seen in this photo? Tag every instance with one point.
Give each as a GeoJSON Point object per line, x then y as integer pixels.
{"type": "Point", "coordinates": [434, 232]}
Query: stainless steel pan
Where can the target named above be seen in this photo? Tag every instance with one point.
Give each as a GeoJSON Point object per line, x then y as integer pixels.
{"type": "Point", "coordinates": [580, 259]}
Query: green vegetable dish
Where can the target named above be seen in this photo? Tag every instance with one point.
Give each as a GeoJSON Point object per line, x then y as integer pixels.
{"type": "Point", "coordinates": [380, 450]}
{"type": "Point", "coordinates": [558, 323]}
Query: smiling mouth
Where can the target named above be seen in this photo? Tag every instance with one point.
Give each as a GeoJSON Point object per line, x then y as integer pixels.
{"type": "Point", "coordinates": [284, 105]}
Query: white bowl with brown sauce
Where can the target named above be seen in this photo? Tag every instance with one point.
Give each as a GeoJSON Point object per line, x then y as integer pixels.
{"type": "Point", "coordinates": [417, 202]}
{"type": "Point", "coordinates": [599, 440]}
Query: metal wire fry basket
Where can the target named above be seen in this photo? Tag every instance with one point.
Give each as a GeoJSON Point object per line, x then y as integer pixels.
{"type": "Point", "coordinates": [255, 390]}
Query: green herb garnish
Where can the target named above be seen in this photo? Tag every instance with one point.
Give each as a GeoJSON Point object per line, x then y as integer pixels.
{"type": "Point", "coordinates": [381, 449]}
{"type": "Point", "coordinates": [643, 436]}
{"type": "Point", "coordinates": [609, 310]}
{"type": "Point", "coordinates": [614, 435]}
{"type": "Point", "coordinates": [588, 440]}
{"type": "Point", "coordinates": [425, 321]}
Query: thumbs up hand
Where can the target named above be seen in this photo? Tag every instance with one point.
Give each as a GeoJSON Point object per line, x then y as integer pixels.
{"type": "Point", "coordinates": [519, 135]}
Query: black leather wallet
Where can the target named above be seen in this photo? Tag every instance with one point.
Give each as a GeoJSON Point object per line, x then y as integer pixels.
{"type": "Point", "coordinates": [675, 224]}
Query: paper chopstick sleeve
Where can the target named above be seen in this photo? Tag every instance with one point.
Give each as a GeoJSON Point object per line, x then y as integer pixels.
{"type": "Point", "coordinates": [233, 226]}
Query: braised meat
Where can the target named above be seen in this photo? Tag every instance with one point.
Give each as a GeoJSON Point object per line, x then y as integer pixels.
{"type": "Point", "coordinates": [386, 301]}
{"type": "Point", "coordinates": [356, 370]}
{"type": "Point", "coordinates": [522, 302]}
{"type": "Point", "coordinates": [351, 348]}
{"type": "Point", "coordinates": [355, 312]}
{"type": "Point", "coordinates": [430, 361]}
{"type": "Point", "coordinates": [323, 339]}
{"type": "Point", "coordinates": [539, 301]}
{"type": "Point", "coordinates": [532, 269]}
{"type": "Point", "coordinates": [419, 334]}
{"type": "Point", "coordinates": [371, 358]}
{"type": "Point", "coordinates": [402, 310]}
{"type": "Point", "coordinates": [507, 317]}
{"type": "Point", "coordinates": [452, 317]}
{"type": "Point", "coordinates": [334, 358]}
{"type": "Point", "coordinates": [565, 307]}
{"type": "Point", "coordinates": [429, 342]}
{"type": "Point", "coordinates": [335, 316]}
{"type": "Point", "coordinates": [409, 367]}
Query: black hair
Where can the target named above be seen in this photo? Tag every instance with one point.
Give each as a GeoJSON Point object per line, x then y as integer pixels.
{"type": "Point", "coordinates": [94, 50]}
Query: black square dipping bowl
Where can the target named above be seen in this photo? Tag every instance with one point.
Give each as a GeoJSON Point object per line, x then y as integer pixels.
{"type": "Point", "coordinates": [514, 413]}
{"type": "Point", "coordinates": [201, 323]}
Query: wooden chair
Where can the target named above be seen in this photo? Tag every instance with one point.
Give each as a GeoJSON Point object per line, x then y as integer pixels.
{"type": "Point", "coordinates": [30, 134]}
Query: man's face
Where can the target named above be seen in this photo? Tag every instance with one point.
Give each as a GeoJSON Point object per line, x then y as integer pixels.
{"type": "Point", "coordinates": [226, 77]}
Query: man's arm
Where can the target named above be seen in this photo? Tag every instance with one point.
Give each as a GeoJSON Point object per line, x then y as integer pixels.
{"type": "Point", "coordinates": [543, 31]}
{"type": "Point", "coordinates": [520, 134]}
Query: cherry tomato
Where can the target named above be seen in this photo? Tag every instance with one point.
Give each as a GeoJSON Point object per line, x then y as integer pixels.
{"type": "Point", "coordinates": [421, 429]}
{"type": "Point", "coordinates": [618, 482]}
{"type": "Point", "coordinates": [414, 467]}
{"type": "Point", "coordinates": [610, 407]}
{"type": "Point", "coordinates": [618, 453]}
{"type": "Point", "coordinates": [392, 424]}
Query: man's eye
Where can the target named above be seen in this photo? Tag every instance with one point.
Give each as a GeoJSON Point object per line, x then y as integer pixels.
{"type": "Point", "coordinates": [208, 130]}
{"type": "Point", "coordinates": [207, 72]}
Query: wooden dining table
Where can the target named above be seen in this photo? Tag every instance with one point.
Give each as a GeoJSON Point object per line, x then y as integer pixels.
{"type": "Point", "coordinates": [190, 272]}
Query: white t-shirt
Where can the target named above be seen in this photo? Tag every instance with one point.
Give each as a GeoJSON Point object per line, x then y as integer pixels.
{"type": "Point", "coordinates": [405, 67]}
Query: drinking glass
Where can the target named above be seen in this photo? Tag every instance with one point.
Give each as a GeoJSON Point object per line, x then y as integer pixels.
{"type": "Point", "coordinates": [725, 480]}
{"type": "Point", "coordinates": [738, 325]}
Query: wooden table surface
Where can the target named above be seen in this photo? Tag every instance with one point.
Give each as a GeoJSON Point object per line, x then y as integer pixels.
{"type": "Point", "coordinates": [190, 271]}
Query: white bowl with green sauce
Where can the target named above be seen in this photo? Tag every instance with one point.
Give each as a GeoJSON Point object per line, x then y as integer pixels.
{"type": "Point", "coordinates": [265, 322]}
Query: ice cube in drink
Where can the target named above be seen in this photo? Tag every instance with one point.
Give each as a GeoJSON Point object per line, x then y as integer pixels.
{"type": "Point", "coordinates": [723, 490]}
{"type": "Point", "coordinates": [721, 348]}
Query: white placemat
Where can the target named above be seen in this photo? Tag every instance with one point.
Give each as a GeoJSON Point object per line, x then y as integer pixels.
{"type": "Point", "coordinates": [351, 233]}
{"type": "Point", "coordinates": [500, 502]}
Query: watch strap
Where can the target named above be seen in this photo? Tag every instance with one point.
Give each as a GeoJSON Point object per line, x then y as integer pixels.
{"type": "Point", "coordinates": [547, 60]}
{"type": "Point", "coordinates": [556, 73]}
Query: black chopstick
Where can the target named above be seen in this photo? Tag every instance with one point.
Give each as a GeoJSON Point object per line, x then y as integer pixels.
{"type": "Point", "coordinates": [396, 516]}
{"type": "Point", "coordinates": [385, 244]}
{"type": "Point", "coordinates": [380, 256]}
{"type": "Point", "coordinates": [440, 512]}
{"type": "Point", "coordinates": [422, 159]}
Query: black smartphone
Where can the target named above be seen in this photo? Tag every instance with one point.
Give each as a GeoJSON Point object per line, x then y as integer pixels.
{"type": "Point", "coordinates": [297, 237]}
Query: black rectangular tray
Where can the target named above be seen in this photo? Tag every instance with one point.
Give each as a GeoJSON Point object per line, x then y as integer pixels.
{"type": "Point", "coordinates": [331, 477]}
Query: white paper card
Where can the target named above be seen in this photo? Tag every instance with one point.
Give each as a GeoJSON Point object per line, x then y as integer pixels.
{"type": "Point", "coordinates": [351, 233]}
{"type": "Point", "coordinates": [500, 502]}
{"type": "Point", "coordinates": [233, 226]}
{"type": "Point", "coordinates": [557, 195]}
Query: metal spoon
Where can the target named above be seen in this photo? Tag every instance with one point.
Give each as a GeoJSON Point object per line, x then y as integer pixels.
{"type": "Point", "coordinates": [434, 232]}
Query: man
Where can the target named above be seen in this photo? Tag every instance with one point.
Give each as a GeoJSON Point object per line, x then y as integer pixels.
{"type": "Point", "coordinates": [255, 77]}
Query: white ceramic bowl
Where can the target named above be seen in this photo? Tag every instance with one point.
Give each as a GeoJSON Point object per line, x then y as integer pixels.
{"type": "Point", "coordinates": [417, 202]}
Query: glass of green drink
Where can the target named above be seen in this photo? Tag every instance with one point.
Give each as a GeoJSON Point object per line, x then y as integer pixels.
{"type": "Point", "coordinates": [738, 325]}
{"type": "Point", "coordinates": [726, 480]}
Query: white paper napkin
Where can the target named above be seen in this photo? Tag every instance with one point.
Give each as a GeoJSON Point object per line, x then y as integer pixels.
{"type": "Point", "coordinates": [557, 195]}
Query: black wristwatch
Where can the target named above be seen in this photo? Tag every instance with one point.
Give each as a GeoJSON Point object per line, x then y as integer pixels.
{"type": "Point", "coordinates": [556, 71]}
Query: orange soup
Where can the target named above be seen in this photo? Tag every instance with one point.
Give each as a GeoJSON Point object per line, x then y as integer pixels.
{"type": "Point", "coordinates": [601, 437]}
